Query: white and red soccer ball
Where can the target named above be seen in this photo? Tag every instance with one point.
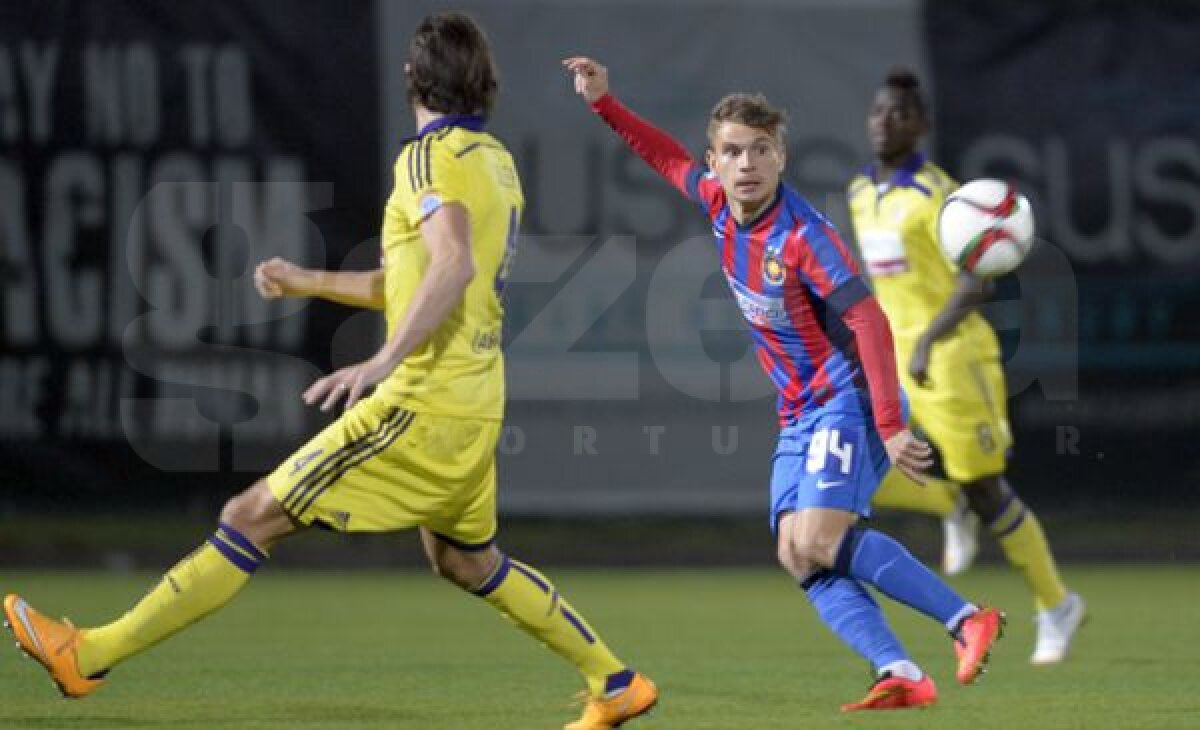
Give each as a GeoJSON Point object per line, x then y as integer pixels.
{"type": "Point", "coordinates": [986, 227]}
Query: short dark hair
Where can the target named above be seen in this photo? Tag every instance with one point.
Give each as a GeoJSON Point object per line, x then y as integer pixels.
{"type": "Point", "coordinates": [904, 80]}
{"type": "Point", "coordinates": [753, 110]}
{"type": "Point", "coordinates": [451, 70]}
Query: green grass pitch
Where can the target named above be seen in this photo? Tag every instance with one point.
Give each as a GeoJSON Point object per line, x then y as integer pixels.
{"type": "Point", "coordinates": [730, 649]}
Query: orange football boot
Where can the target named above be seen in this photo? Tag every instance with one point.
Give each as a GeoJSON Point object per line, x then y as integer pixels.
{"type": "Point", "coordinates": [51, 644]}
{"type": "Point", "coordinates": [604, 713]}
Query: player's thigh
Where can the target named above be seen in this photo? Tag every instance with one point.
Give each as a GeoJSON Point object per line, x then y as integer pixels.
{"type": "Point", "coordinates": [466, 519]}
{"type": "Point", "coordinates": [345, 477]}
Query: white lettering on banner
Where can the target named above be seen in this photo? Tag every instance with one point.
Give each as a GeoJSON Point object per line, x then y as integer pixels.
{"type": "Point", "coordinates": [123, 98]}
{"type": "Point", "coordinates": [21, 394]}
{"type": "Point", "coordinates": [133, 254]}
{"type": "Point", "coordinates": [38, 68]}
{"type": "Point", "coordinates": [10, 115]}
{"type": "Point", "coordinates": [94, 390]}
{"type": "Point", "coordinates": [1142, 178]}
{"type": "Point", "coordinates": [74, 188]}
{"type": "Point", "coordinates": [20, 282]}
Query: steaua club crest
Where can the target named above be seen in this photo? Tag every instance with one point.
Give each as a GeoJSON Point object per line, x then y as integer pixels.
{"type": "Point", "coordinates": [773, 270]}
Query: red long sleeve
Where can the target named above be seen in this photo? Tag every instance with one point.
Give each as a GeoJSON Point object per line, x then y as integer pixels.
{"type": "Point", "coordinates": [877, 353]}
{"type": "Point", "coordinates": [659, 149]}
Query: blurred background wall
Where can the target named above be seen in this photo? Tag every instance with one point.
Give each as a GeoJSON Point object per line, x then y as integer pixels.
{"type": "Point", "coordinates": [152, 153]}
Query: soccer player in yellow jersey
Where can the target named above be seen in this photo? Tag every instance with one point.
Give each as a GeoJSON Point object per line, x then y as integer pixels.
{"type": "Point", "coordinates": [948, 355]}
{"type": "Point", "coordinates": [419, 450]}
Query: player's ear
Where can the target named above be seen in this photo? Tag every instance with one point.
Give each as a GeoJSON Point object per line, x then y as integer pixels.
{"type": "Point", "coordinates": [710, 158]}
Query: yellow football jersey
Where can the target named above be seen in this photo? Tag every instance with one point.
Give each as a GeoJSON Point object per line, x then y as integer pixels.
{"type": "Point", "coordinates": [895, 223]}
{"type": "Point", "coordinates": [459, 371]}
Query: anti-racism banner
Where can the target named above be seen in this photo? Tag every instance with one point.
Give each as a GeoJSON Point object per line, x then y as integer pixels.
{"type": "Point", "coordinates": [148, 159]}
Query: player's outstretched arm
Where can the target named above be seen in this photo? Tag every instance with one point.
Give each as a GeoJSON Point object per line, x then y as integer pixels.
{"type": "Point", "coordinates": [278, 278]}
{"type": "Point", "coordinates": [659, 149]}
{"type": "Point", "coordinates": [447, 235]}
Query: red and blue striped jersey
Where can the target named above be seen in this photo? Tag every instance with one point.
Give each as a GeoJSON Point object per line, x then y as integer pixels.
{"type": "Point", "coordinates": [818, 333]}
{"type": "Point", "coordinates": [792, 278]}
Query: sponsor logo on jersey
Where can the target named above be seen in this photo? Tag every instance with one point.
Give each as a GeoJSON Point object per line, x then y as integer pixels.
{"type": "Point", "coordinates": [758, 309]}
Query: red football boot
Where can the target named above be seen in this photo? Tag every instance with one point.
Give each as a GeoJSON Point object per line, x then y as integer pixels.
{"type": "Point", "coordinates": [973, 643]}
{"type": "Point", "coordinates": [897, 693]}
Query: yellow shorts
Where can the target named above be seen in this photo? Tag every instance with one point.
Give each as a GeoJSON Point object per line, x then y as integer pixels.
{"type": "Point", "coordinates": [382, 468]}
{"type": "Point", "coordinates": [964, 414]}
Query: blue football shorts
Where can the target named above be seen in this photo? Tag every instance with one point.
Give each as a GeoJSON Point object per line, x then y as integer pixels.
{"type": "Point", "coordinates": [832, 458]}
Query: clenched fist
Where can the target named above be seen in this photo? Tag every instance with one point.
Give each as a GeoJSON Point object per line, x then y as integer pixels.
{"type": "Point", "coordinates": [276, 278]}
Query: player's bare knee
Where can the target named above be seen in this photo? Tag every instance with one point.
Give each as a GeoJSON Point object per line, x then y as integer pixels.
{"type": "Point", "coordinates": [256, 514]}
{"type": "Point", "coordinates": [816, 550]}
{"type": "Point", "coordinates": [796, 566]}
{"type": "Point", "coordinates": [988, 497]}
{"type": "Point", "coordinates": [467, 570]}
{"type": "Point", "coordinates": [447, 566]}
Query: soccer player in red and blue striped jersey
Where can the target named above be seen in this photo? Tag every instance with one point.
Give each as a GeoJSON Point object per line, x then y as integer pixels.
{"type": "Point", "coordinates": [824, 342]}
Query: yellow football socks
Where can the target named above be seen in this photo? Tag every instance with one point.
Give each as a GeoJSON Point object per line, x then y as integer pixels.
{"type": "Point", "coordinates": [938, 497]}
{"type": "Point", "coordinates": [1020, 536]}
{"type": "Point", "coordinates": [532, 602]}
{"type": "Point", "coordinates": [198, 585]}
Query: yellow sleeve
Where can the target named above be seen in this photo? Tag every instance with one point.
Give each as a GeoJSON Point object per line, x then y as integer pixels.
{"type": "Point", "coordinates": [431, 176]}
{"type": "Point", "coordinates": [941, 186]}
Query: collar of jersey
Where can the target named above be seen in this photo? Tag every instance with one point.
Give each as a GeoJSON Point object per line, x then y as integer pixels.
{"type": "Point", "coordinates": [473, 122]}
{"type": "Point", "coordinates": [905, 176]}
{"type": "Point", "coordinates": [750, 224]}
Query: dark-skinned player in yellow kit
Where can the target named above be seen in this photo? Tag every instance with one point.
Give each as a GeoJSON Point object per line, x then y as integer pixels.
{"type": "Point", "coordinates": [948, 356]}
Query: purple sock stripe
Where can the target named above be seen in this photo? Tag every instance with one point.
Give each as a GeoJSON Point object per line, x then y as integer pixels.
{"type": "Point", "coordinates": [1003, 511]}
{"type": "Point", "coordinates": [241, 541]}
{"type": "Point", "coordinates": [568, 615]}
{"type": "Point", "coordinates": [352, 460]}
{"type": "Point", "coordinates": [618, 680]}
{"type": "Point", "coordinates": [348, 449]}
{"type": "Point", "coordinates": [1020, 518]}
{"type": "Point", "coordinates": [526, 571]}
{"type": "Point", "coordinates": [497, 578]}
{"type": "Point", "coordinates": [233, 555]}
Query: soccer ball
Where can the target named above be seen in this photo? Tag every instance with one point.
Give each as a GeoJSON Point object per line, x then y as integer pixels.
{"type": "Point", "coordinates": [986, 227]}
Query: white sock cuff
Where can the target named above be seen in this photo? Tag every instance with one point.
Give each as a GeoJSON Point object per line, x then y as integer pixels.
{"type": "Point", "coordinates": [967, 610]}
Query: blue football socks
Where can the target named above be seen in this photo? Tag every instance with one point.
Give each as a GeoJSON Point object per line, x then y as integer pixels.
{"type": "Point", "coordinates": [876, 559]}
{"type": "Point", "coordinates": [854, 617]}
